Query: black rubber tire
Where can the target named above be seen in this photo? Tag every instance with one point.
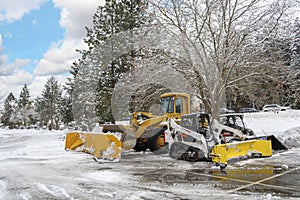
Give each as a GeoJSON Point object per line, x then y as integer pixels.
{"type": "Point", "coordinates": [223, 166]}
{"type": "Point", "coordinates": [140, 145]}
{"type": "Point", "coordinates": [154, 142]}
{"type": "Point", "coordinates": [195, 157]}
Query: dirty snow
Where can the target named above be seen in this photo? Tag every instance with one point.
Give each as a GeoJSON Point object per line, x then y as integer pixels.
{"type": "Point", "coordinates": [34, 165]}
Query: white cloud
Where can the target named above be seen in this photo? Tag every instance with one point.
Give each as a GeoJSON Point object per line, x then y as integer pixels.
{"type": "Point", "coordinates": [11, 10]}
{"type": "Point", "coordinates": [3, 58]}
{"type": "Point", "coordinates": [75, 16]}
{"type": "Point", "coordinates": [15, 82]}
{"type": "Point", "coordinates": [18, 78]}
{"type": "Point", "coordinates": [9, 69]}
{"type": "Point", "coordinates": [37, 87]}
{"type": "Point", "coordinates": [59, 58]}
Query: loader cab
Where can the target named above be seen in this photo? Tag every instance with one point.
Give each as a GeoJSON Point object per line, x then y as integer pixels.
{"type": "Point", "coordinates": [174, 105]}
{"type": "Point", "coordinates": [235, 121]}
{"type": "Point", "coordinates": [197, 122]}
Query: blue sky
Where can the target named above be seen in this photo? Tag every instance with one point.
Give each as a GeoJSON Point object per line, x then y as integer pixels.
{"type": "Point", "coordinates": [38, 39]}
{"type": "Point", "coordinates": [31, 36]}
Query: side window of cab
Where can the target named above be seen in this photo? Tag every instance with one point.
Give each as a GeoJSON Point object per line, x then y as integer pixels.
{"type": "Point", "coordinates": [179, 105]}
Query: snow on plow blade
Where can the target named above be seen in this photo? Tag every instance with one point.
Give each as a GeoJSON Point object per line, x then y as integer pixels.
{"type": "Point", "coordinates": [223, 153]}
{"type": "Point", "coordinates": [104, 147]}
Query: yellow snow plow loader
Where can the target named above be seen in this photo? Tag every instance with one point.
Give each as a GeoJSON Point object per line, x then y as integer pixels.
{"type": "Point", "coordinates": [145, 131]}
{"type": "Point", "coordinates": [102, 146]}
{"type": "Point", "coordinates": [199, 138]}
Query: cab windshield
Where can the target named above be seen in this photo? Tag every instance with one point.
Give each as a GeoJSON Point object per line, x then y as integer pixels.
{"type": "Point", "coordinates": [167, 104]}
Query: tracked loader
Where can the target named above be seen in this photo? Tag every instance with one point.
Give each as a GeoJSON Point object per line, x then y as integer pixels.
{"type": "Point", "coordinates": [200, 138]}
{"type": "Point", "coordinates": [145, 131]}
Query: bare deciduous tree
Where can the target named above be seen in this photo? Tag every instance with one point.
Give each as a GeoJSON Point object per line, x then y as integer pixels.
{"type": "Point", "coordinates": [217, 40]}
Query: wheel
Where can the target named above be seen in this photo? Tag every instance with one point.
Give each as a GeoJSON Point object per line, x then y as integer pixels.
{"type": "Point", "coordinates": [193, 155]}
{"type": "Point", "coordinates": [156, 143]}
{"type": "Point", "coordinates": [141, 145]}
{"type": "Point", "coordinates": [223, 166]}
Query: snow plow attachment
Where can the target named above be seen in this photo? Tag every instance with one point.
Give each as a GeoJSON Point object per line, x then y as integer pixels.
{"type": "Point", "coordinates": [104, 147]}
{"type": "Point", "coordinates": [223, 153]}
{"type": "Point", "coordinates": [276, 144]}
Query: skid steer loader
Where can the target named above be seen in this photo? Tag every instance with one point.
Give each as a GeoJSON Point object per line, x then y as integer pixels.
{"type": "Point", "coordinates": [200, 138]}
{"type": "Point", "coordinates": [145, 131]}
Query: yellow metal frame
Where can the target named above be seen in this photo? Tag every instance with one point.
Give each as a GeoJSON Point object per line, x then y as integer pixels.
{"type": "Point", "coordinates": [148, 124]}
{"type": "Point", "coordinates": [134, 119]}
{"type": "Point", "coordinates": [222, 153]}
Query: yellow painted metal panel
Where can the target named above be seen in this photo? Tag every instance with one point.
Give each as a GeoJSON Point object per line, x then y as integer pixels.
{"type": "Point", "coordinates": [102, 146]}
{"type": "Point", "coordinates": [222, 153]}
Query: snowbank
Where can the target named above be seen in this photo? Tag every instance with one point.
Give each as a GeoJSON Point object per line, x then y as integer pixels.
{"type": "Point", "coordinates": [291, 138]}
{"type": "Point", "coordinates": [284, 125]}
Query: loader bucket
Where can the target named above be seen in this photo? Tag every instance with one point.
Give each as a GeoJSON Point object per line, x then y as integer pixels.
{"type": "Point", "coordinates": [223, 153]}
{"type": "Point", "coordinates": [106, 147]}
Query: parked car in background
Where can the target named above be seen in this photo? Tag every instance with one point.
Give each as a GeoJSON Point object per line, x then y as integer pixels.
{"type": "Point", "coordinates": [275, 107]}
{"type": "Point", "coordinates": [248, 110]}
{"type": "Point", "coordinates": [226, 111]}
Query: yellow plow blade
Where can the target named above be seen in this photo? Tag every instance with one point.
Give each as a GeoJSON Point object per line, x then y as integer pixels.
{"type": "Point", "coordinates": [106, 147]}
{"type": "Point", "coordinates": [222, 153]}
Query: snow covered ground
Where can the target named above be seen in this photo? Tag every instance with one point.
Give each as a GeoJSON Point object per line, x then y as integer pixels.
{"type": "Point", "coordinates": [34, 165]}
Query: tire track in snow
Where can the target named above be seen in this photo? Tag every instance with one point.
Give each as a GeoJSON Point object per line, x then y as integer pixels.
{"type": "Point", "coordinates": [54, 191]}
{"type": "Point", "coordinates": [3, 189]}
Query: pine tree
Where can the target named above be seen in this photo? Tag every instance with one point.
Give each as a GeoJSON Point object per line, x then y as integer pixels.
{"type": "Point", "coordinates": [96, 67]}
{"type": "Point", "coordinates": [10, 105]}
{"type": "Point", "coordinates": [24, 106]}
{"type": "Point", "coordinates": [40, 111]}
{"type": "Point", "coordinates": [50, 102]}
{"type": "Point", "coordinates": [66, 109]}
{"type": "Point", "coordinates": [109, 20]}
{"type": "Point", "coordinates": [2, 96]}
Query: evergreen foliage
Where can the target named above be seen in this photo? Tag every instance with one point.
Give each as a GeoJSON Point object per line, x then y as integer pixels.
{"type": "Point", "coordinates": [114, 17]}
{"type": "Point", "coordinates": [49, 104]}
{"type": "Point", "coordinates": [24, 106]}
{"type": "Point", "coordinates": [10, 105]}
{"type": "Point", "coordinates": [66, 110]}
